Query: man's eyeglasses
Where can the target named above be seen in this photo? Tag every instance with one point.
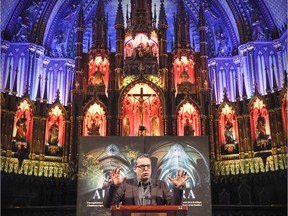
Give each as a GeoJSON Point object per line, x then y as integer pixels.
{"type": "Point", "coordinates": [142, 167]}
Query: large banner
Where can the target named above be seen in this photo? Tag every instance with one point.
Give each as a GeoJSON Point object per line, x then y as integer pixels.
{"type": "Point", "coordinates": [98, 155]}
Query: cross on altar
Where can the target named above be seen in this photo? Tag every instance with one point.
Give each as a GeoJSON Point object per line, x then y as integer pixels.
{"type": "Point", "coordinates": [141, 100]}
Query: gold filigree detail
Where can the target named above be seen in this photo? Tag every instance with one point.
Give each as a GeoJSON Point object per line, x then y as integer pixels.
{"type": "Point", "coordinates": [155, 79]}
{"type": "Point", "coordinates": [128, 79]}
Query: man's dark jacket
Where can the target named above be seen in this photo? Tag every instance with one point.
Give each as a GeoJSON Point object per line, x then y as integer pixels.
{"type": "Point", "coordinates": [127, 194]}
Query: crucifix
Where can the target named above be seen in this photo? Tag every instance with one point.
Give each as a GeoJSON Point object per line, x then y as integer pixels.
{"type": "Point", "coordinates": [141, 101]}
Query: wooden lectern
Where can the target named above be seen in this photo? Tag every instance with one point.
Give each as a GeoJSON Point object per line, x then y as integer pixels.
{"type": "Point", "coordinates": [160, 210]}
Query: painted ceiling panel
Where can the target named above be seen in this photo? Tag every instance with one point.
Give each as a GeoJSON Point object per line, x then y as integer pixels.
{"type": "Point", "coordinates": [278, 10]}
{"type": "Point", "coordinates": [231, 21]}
{"type": "Point", "coordinates": [7, 13]}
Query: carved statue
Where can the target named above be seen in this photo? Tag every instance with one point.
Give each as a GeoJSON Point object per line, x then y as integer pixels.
{"type": "Point", "coordinates": [258, 27]}
{"type": "Point", "coordinates": [136, 53]}
{"type": "Point", "coordinates": [97, 78]}
{"type": "Point", "coordinates": [228, 132]}
{"type": "Point", "coordinates": [21, 142]}
{"type": "Point", "coordinates": [155, 126]}
{"type": "Point", "coordinates": [223, 44]}
{"type": "Point", "coordinates": [93, 129]}
{"type": "Point", "coordinates": [188, 129]}
{"type": "Point", "coordinates": [126, 123]}
{"type": "Point", "coordinates": [147, 51]}
{"type": "Point", "coordinates": [59, 41]}
{"type": "Point", "coordinates": [260, 126]}
{"type": "Point", "coordinates": [21, 126]}
{"type": "Point", "coordinates": [24, 22]}
{"type": "Point", "coordinates": [54, 134]}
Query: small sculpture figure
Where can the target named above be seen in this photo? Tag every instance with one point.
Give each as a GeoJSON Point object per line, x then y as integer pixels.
{"type": "Point", "coordinates": [188, 129]}
{"type": "Point", "coordinates": [228, 133]}
{"type": "Point", "coordinates": [93, 129]}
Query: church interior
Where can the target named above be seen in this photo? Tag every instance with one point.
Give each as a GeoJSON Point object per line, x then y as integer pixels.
{"type": "Point", "coordinates": [73, 68]}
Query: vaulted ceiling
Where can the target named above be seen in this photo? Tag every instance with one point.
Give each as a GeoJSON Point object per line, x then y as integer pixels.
{"type": "Point", "coordinates": [234, 19]}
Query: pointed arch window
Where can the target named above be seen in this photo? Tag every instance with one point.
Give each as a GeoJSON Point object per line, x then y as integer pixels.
{"type": "Point", "coordinates": [188, 120]}
{"type": "Point", "coordinates": [141, 112]}
{"type": "Point", "coordinates": [22, 128]}
{"type": "Point", "coordinates": [228, 131]}
{"type": "Point", "coordinates": [55, 132]}
{"type": "Point", "coordinates": [260, 127]}
{"type": "Point", "coordinates": [94, 121]}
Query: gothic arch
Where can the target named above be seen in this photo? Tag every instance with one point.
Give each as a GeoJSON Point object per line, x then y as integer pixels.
{"type": "Point", "coordinates": [55, 130]}
{"type": "Point", "coordinates": [30, 102]}
{"type": "Point", "coordinates": [151, 117]}
{"type": "Point", "coordinates": [260, 124]}
{"type": "Point", "coordinates": [126, 89]}
{"type": "Point", "coordinates": [227, 128]}
{"type": "Point", "coordinates": [188, 118]}
{"type": "Point", "coordinates": [94, 118]}
{"type": "Point", "coordinates": [63, 110]}
{"type": "Point", "coordinates": [23, 127]}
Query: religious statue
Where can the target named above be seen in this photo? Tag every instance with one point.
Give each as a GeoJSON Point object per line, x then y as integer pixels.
{"type": "Point", "coordinates": [147, 51]}
{"type": "Point", "coordinates": [129, 49]}
{"type": "Point", "coordinates": [258, 27]}
{"type": "Point", "coordinates": [53, 134]}
{"type": "Point", "coordinates": [184, 77]}
{"type": "Point", "coordinates": [222, 40]}
{"type": "Point", "coordinates": [228, 132]}
{"type": "Point", "coordinates": [93, 129]}
{"type": "Point", "coordinates": [97, 78]}
{"type": "Point", "coordinates": [141, 100]}
{"type": "Point", "coordinates": [155, 126]}
{"type": "Point", "coordinates": [188, 129]}
{"type": "Point", "coordinates": [21, 126]}
{"type": "Point", "coordinates": [24, 22]}
{"type": "Point", "coordinates": [136, 53]}
{"type": "Point", "coordinates": [260, 126]}
{"type": "Point", "coordinates": [141, 51]}
{"type": "Point", "coordinates": [126, 123]}
{"type": "Point", "coordinates": [21, 141]}
{"type": "Point", "coordinates": [59, 41]}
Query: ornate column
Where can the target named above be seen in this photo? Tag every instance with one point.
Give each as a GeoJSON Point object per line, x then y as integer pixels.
{"type": "Point", "coordinates": [211, 138]}
{"type": "Point", "coordinates": [248, 145]}
{"type": "Point", "coordinates": [173, 124]}
{"type": "Point", "coordinates": [66, 147]}
{"type": "Point", "coordinates": [109, 125]}
{"type": "Point", "coordinates": [217, 141]}
{"type": "Point", "coordinates": [79, 134]}
{"type": "Point", "coordinates": [31, 66]}
{"type": "Point", "coordinates": [203, 125]}
{"type": "Point", "coordinates": [282, 61]}
{"type": "Point", "coordinates": [118, 126]}
{"type": "Point", "coordinates": [250, 49]}
{"type": "Point", "coordinates": [241, 132]}
{"type": "Point", "coordinates": [237, 61]}
{"type": "Point", "coordinates": [245, 66]}
{"type": "Point", "coordinates": [4, 47]}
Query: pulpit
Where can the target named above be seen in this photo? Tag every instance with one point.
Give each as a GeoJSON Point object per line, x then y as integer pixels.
{"type": "Point", "coordinates": [160, 210]}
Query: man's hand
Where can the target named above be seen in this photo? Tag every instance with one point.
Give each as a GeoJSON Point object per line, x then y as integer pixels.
{"type": "Point", "coordinates": [115, 176]}
{"type": "Point", "coordinates": [180, 179]}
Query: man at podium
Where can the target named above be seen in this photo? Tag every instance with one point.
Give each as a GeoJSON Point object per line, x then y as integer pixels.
{"type": "Point", "coordinates": [143, 190]}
